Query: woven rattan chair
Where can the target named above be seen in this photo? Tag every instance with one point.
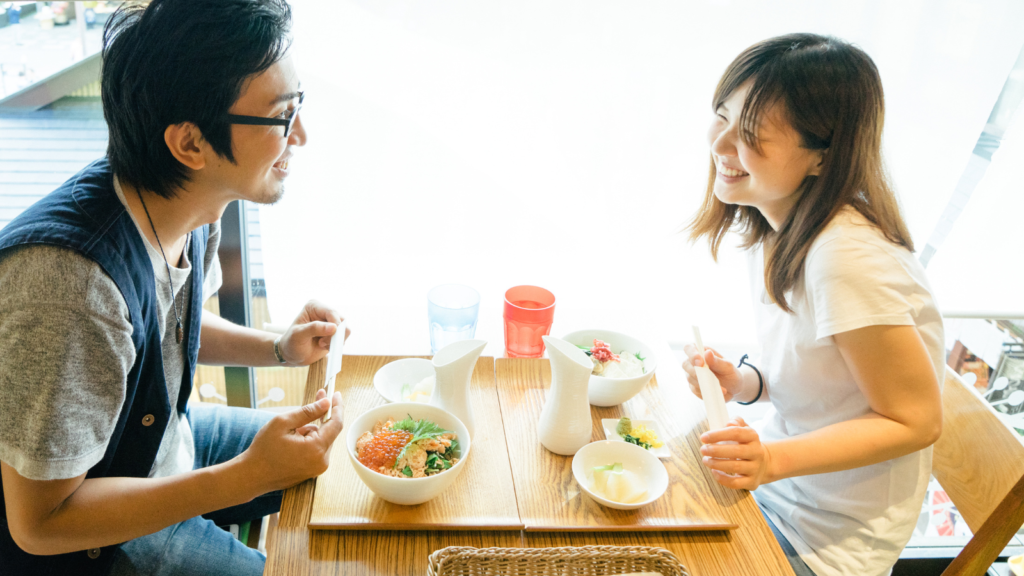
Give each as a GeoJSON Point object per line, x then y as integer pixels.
{"type": "Point", "coordinates": [582, 561]}
{"type": "Point", "coordinates": [979, 461]}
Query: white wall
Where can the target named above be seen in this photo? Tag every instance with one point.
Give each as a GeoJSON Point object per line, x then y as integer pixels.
{"type": "Point", "coordinates": [563, 144]}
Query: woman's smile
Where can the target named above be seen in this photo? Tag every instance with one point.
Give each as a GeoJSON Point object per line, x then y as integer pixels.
{"type": "Point", "coordinates": [728, 174]}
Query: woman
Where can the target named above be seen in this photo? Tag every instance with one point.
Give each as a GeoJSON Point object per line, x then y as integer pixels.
{"type": "Point", "coordinates": [851, 339]}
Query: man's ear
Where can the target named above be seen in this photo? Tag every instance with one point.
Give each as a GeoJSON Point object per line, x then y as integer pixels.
{"type": "Point", "coordinates": [186, 144]}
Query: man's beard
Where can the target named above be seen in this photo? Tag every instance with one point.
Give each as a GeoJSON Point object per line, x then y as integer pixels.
{"type": "Point", "coordinates": [272, 198]}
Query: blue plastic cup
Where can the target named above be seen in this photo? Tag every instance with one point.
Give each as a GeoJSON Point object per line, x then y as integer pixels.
{"type": "Point", "coordinates": [452, 311]}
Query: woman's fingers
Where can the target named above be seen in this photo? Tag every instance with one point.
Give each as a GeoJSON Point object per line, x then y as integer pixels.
{"type": "Point", "coordinates": [740, 451]}
{"type": "Point", "coordinates": [734, 482]}
{"type": "Point", "coordinates": [741, 434]}
{"type": "Point", "coordinates": [743, 467]}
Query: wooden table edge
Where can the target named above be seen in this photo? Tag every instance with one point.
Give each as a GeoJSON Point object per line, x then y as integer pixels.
{"type": "Point", "coordinates": [420, 527]}
{"type": "Point", "coordinates": [626, 529]}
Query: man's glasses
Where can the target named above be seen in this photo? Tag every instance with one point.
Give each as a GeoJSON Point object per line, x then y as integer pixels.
{"type": "Point", "coordinates": [261, 121]}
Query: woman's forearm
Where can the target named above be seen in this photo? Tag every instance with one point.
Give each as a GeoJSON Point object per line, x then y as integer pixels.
{"type": "Point", "coordinates": [751, 385]}
{"type": "Point", "coordinates": [862, 441]}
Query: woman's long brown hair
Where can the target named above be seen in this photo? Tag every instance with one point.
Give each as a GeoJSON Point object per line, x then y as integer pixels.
{"type": "Point", "coordinates": [832, 95]}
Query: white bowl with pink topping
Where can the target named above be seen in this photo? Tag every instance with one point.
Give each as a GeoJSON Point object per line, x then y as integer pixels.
{"type": "Point", "coordinates": [617, 354]}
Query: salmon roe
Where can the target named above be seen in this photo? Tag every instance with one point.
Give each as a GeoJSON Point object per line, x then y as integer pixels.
{"type": "Point", "coordinates": [383, 449]}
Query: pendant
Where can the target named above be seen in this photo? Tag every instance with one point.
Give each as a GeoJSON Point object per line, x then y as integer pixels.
{"type": "Point", "coordinates": [179, 334]}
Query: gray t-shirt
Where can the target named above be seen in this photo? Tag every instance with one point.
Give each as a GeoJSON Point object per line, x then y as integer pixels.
{"type": "Point", "coordinates": [65, 334]}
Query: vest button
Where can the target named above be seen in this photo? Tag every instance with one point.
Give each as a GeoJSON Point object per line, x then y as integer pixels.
{"type": "Point", "coordinates": [148, 420]}
{"type": "Point", "coordinates": [93, 553]}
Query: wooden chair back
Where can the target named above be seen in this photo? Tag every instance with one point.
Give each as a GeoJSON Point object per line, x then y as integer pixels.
{"type": "Point", "coordinates": [979, 461]}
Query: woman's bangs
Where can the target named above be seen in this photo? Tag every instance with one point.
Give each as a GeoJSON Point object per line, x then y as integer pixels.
{"type": "Point", "coordinates": [761, 97]}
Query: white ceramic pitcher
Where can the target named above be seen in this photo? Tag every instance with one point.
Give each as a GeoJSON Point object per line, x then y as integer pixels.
{"type": "Point", "coordinates": [565, 424]}
{"type": "Point", "coordinates": [453, 366]}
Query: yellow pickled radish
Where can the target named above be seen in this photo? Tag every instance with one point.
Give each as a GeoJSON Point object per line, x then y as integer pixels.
{"type": "Point", "coordinates": [618, 484]}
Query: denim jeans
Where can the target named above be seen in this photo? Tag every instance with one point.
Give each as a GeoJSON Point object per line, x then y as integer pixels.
{"type": "Point", "coordinates": [800, 568]}
{"type": "Point", "coordinates": [198, 546]}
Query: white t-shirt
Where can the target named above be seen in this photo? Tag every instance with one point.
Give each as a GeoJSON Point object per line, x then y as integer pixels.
{"type": "Point", "coordinates": [857, 521]}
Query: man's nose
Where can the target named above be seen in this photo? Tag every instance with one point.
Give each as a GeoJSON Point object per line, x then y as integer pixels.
{"type": "Point", "coordinates": [297, 137]}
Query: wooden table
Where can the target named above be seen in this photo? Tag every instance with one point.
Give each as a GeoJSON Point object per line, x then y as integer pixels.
{"type": "Point", "coordinates": [295, 550]}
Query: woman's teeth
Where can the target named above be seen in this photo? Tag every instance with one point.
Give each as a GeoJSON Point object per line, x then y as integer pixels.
{"type": "Point", "coordinates": [283, 165]}
{"type": "Point", "coordinates": [730, 172]}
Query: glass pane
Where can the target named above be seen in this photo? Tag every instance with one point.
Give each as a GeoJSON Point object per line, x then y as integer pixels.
{"type": "Point", "coordinates": [562, 144]}
{"type": "Point", "coordinates": [39, 39]}
{"type": "Point", "coordinates": [276, 386]}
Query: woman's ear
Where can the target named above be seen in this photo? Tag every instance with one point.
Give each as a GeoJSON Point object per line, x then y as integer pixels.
{"type": "Point", "coordinates": [817, 159]}
{"type": "Point", "coordinates": [186, 144]}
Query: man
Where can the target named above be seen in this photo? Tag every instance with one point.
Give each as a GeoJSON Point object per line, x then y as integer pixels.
{"type": "Point", "coordinates": [101, 291]}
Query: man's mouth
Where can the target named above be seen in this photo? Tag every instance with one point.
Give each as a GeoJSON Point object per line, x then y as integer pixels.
{"type": "Point", "coordinates": [282, 165]}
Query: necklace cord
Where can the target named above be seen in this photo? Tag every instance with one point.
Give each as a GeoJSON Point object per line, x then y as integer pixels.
{"type": "Point", "coordinates": [170, 281]}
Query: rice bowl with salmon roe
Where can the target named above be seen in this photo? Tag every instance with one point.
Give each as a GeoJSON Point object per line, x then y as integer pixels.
{"type": "Point", "coordinates": [404, 489]}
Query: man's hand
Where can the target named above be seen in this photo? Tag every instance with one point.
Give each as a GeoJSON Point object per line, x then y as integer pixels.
{"type": "Point", "coordinates": [308, 338]}
{"type": "Point", "coordinates": [291, 447]}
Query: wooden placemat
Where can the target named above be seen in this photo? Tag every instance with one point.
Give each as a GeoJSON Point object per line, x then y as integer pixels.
{"type": "Point", "coordinates": [482, 498]}
{"type": "Point", "coordinates": [548, 496]}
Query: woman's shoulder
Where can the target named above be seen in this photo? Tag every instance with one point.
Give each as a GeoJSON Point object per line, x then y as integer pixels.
{"type": "Point", "coordinates": [850, 231]}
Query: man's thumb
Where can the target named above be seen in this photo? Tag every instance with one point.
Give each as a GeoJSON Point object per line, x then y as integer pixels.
{"type": "Point", "coordinates": [305, 414]}
{"type": "Point", "coordinates": [314, 329]}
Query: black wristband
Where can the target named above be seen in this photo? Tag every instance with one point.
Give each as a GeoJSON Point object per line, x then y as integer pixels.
{"type": "Point", "coordinates": [760, 381]}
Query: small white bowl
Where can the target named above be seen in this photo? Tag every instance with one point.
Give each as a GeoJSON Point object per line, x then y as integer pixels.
{"type": "Point", "coordinates": [407, 491]}
{"type": "Point", "coordinates": [632, 457]}
{"type": "Point", "coordinates": [390, 379]}
{"type": "Point", "coordinates": [604, 391]}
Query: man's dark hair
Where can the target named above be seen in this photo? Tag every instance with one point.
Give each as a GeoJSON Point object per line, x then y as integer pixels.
{"type": "Point", "coordinates": [174, 61]}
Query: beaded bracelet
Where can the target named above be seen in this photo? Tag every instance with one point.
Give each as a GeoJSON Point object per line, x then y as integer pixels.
{"type": "Point", "coordinates": [760, 381]}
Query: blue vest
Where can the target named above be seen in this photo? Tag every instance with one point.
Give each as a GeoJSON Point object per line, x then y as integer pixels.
{"type": "Point", "coordinates": [86, 216]}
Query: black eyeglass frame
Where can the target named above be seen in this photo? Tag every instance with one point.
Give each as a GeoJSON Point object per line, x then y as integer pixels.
{"type": "Point", "coordinates": [261, 121]}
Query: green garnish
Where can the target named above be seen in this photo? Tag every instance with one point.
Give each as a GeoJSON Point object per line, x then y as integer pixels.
{"type": "Point", "coordinates": [407, 471]}
{"type": "Point", "coordinates": [641, 359]}
{"type": "Point", "coordinates": [454, 451]}
{"type": "Point", "coordinates": [420, 429]}
{"type": "Point", "coordinates": [637, 441]}
{"type": "Point", "coordinates": [585, 349]}
{"type": "Point", "coordinates": [625, 426]}
{"type": "Point", "coordinates": [406, 391]}
{"type": "Point", "coordinates": [436, 463]}
{"type": "Point", "coordinates": [617, 468]}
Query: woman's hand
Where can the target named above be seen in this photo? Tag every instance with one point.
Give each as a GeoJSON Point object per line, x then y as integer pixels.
{"type": "Point", "coordinates": [744, 465]}
{"type": "Point", "coordinates": [728, 375]}
{"type": "Point", "coordinates": [308, 338]}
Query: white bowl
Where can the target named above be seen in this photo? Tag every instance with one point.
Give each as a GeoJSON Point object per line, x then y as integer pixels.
{"type": "Point", "coordinates": [390, 379]}
{"type": "Point", "coordinates": [614, 391]}
{"type": "Point", "coordinates": [408, 491]}
{"type": "Point", "coordinates": [632, 457]}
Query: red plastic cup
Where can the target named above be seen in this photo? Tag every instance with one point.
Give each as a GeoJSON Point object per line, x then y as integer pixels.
{"type": "Point", "coordinates": [529, 311]}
